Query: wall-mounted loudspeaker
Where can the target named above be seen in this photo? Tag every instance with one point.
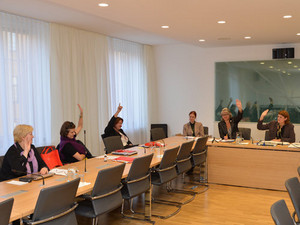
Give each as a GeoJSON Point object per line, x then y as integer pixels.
{"type": "Point", "coordinates": [283, 53]}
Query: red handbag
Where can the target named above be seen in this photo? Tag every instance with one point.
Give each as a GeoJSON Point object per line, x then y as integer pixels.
{"type": "Point", "coordinates": [51, 157]}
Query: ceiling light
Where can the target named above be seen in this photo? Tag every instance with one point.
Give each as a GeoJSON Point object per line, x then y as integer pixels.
{"type": "Point", "coordinates": [289, 74]}
{"type": "Point", "coordinates": [165, 26]}
{"type": "Point", "coordinates": [289, 62]}
{"type": "Point", "coordinates": [298, 34]}
{"type": "Point", "coordinates": [295, 66]}
{"type": "Point", "coordinates": [278, 69]}
{"type": "Point", "coordinates": [287, 16]}
{"type": "Point", "coordinates": [271, 67]}
{"type": "Point", "coordinates": [283, 71]}
{"type": "Point", "coordinates": [298, 69]}
{"type": "Point", "coordinates": [247, 37]}
{"type": "Point", "coordinates": [262, 63]}
{"type": "Point", "coordinates": [221, 21]}
{"type": "Point", "coordinates": [103, 4]}
{"type": "Point", "coordinates": [201, 40]}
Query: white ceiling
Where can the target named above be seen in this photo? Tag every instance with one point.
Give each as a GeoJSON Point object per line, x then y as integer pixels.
{"type": "Point", "coordinates": [189, 20]}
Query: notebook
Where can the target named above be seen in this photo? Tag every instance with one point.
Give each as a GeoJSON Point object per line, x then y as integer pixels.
{"type": "Point", "coordinates": [124, 152]}
{"type": "Point", "coordinates": [124, 159]}
{"type": "Point", "coordinates": [38, 176]}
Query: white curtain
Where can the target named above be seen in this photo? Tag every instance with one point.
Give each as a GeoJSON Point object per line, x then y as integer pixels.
{"type": "Point", "coordinates": [25, 78]}
{"type": "Point", "coordinates": [78, 76]}
{"type": "Point", "coordinates": [128, 86]}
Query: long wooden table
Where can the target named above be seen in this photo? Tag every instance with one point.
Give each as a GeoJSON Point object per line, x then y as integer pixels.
{"type": "Point", "coordinates": [25, 196]}
{"type": "Point", "coordinates": [250, 165]}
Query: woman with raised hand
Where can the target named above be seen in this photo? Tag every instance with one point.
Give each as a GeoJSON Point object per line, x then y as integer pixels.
{"type": "Point", "coordinates": [228, 126]}
{"type": "Point", "coordinates": [193, 128]}
{"type": "Point", "coordinates": [70, 149]}
{"type": "Point", "coordinates": [22, 157]}
{"type": "Point", "coordinates": [114, 128]}
{"type": "Point", "coordinates": [280, 130]}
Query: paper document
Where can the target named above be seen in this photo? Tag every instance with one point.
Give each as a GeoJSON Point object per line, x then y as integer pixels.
{"type": "Point", "coordinates": [15, 182]}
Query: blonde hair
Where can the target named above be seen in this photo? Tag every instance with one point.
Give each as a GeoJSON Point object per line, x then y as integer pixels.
{"type": "Point", "coordinates": [21, 131]}
{"type": "Point", "coordinates": [226, 111]}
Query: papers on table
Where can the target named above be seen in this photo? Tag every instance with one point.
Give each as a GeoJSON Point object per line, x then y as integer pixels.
{"type": "Point", "coordinates": [111, 157]}
{"type": "Point", "coordinates": [272, 143]}
{"type": "Point", "coordinates": [228, 140]}
{"type": "Point", "coordinates": [62, 172]}
{"type": "Point", "coordinates": [16, 182]}
{"type": "Point", "coordinates": [294, 145]}
{"type": "Point", "coordinates": [82, 184]}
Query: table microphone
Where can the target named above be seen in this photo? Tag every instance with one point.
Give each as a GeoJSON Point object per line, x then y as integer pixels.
{"type": "Point", "coordinates": [213, 140]}
{"type": "Point", "coordinates": [163, 142]}
{"type": "Point", "coordinates": [31, 178]}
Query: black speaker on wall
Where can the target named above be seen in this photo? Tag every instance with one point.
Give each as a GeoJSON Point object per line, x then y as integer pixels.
{"type": "Point", "coordinates": [283, 53]}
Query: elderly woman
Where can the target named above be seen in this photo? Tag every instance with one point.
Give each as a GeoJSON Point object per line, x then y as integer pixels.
{"type": "Point", "coordinates": [228, 126]}
{"type": "Point", "coordinates": [70, 149]}
{"type": "Point", "coordinates": [114, 128]}
{"type": "Point", "coordinates": [280, 130]}
{"type": "Point", "coordinates": [22, 157]}
{"type": "Point", "coordinates": [193, 128]}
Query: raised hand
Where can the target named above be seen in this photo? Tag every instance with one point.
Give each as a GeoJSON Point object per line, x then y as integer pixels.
{"type": "Point", "coordinates": [239, 104]}
{"type": "Point", "coordinates": [120, 107]}
{"type": "Point", "coordinates": [81, 111]}
{"type": "Point", "coordinates": [264, 114]}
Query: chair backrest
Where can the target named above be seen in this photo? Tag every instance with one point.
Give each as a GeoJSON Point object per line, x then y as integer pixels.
{"type": "Point", "coordinates": [169, 158]}
{"type": "Point", "coordinates": [183, 158]}
{"type": "Point", "coordinates": [161, 125]}
{"type": "Point", "coordinates": [200, 151]}
{"type": "Point", "coordinates": [205, 130]}
{"type": "Point", "coordinates": [108, 181]}
{"type": "Point", "coordinates": [55, 200]}
{"type": "Point", "coordinates": [200, 145]}
{"type": "Point", "coordinates": [267, 136]}
{"type": "Point", "coordinates": [1, 161]}
{"type": "Point", "coordinates": [281, 214]}
{"type": "Point", "coordinates": [157, 134]}
{"type": "Point", "coordinates": [113, 143]}
{"type": "Point", "coordinates": [5, 210]}
{"type": "Point", "coordinates": [293, 187]}
{"type": "Point", "coordinates": [138, 181]}
{"type": "Point", "coordinates": [246, 133]}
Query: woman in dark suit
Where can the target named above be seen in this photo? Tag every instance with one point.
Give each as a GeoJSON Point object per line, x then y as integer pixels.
{"type": "Point", "coordinates": [114, 128]}
{"type": "Point", "coordinates": [22, 157]}
{"type": "Point", "coordinates": [228, 126]}
{"type": "Point", "coordinates": [280, 130]}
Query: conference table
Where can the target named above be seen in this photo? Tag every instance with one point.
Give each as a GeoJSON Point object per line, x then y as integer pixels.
{"type": "Point", "coordinates": [25, 196]}
{"type": "Point", "coordinates": [251, 165]}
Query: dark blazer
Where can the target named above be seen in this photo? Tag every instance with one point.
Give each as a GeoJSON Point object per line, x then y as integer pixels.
{"type": "Point", "coordinates": [287, 131]}
{"type": "Point", "coordinates": [110, 131]}
{"type": "Point", "coordinates": [13, 160]}
{"type": "Point", "coordinates": [234, 125]}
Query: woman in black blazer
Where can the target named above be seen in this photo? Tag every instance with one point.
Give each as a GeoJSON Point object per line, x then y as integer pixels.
{"type": "Point", "coordinates": [228, 126]}
{"type": "Point", "coordinates": [114, 128]}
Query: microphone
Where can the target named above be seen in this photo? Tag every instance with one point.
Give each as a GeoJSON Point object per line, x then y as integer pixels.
{"type": "Point", "coordinates": [163, 142]}
{"type": "Point", "coordinates": [29, 177]}
{"type": "Point", "coordinates": [213, 140]}
{"type": "Point", "coordinates": [84, 132]}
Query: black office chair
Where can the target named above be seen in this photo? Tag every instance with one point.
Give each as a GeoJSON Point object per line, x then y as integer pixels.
{"type": "Point", "coordinates": [199, 157]}
{"type": "Point", "coordinates": [106, 194]}
{"type": "Point", "coordinates": [164, 174]}
{"type": "Point", "coordinates": [5, 210]}
{"type": "Point", "coordinates": [157, 134]}
{"type": "Point", "coordinates": [246, 133]}
{"type": "Point", "coordinates": [137, 181]}
{"type": "Point", "coordinates": [280, 213]}
{"type": "Point", "coordinates": [267, 136]}
{"type": "Point", "coordinates": [205, 130]}
{"type": "Point", "coordinates": [55, 205]}
{"type": "Point", "coordinates": [113, 143]}
{"type": "Point", "coordinates": [293, 187]}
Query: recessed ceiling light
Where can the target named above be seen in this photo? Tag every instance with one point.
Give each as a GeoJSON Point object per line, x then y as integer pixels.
{"type": "Point", "coordinates": [165, 26]}
{"type": "Point", "coordinates": [289, 74]}
{"type": "Point", "coordinates": [298, 34]}
{"type": "Point", "coordinates": [298, 69]}
{"type": "Point", "coordinates": [222, 21]}
{"type": "Point", "coordinates": [289, 62]}
{"type": "Point", "coordinates": [103, 4]}
{"type": "Point", "coordinates": [201, 40]}
{"type": "Point", "coordinates": [295, 66]}
{"type": "Point", "coordinates": [283, 71]}
{"type": "Point", "coordinates": [262, 63]}
{"type": "Point", "coordinates": [287, 16]}
{"type": "Point", "coordinates": [247, 37]}
{"type": "Point", "coordinates": [271, 67]}
{"type": "Point", "coordinates": [278, 69]}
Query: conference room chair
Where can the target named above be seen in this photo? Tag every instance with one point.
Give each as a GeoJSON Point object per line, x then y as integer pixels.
{"type": "Point", "coordinates": [55, 205]}
{"type": "Point", "coordinates": [293, 187]}
{"type": "Point", "coordinates": [105, 196]}
{"type": "Point", "coordinates": [199, 157]}
{"type": "Point", "coordinates": [246, 133]}
{"type": "Point", "coordinates": [157, 134]}
{"type": "Point", "coordinates": [183, 164]}
{"type": "Point", "coordinates": [5, 210]}
{"type": "Point", "coordinates": [164, 174]}
{"type": "Point", "coordinates": [205, 130]}
{"type": "Point", "coordinates": [267, 137]}
{"type": "Point", "coordinates": [281, 214]}
{"type": "Point", "coordinates": [112, 143]}
{"type": "Point", "coordinates": [137, 181]}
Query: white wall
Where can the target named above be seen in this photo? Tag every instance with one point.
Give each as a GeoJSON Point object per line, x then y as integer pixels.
{"type": "Point", "coordinates": [186, 82]}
